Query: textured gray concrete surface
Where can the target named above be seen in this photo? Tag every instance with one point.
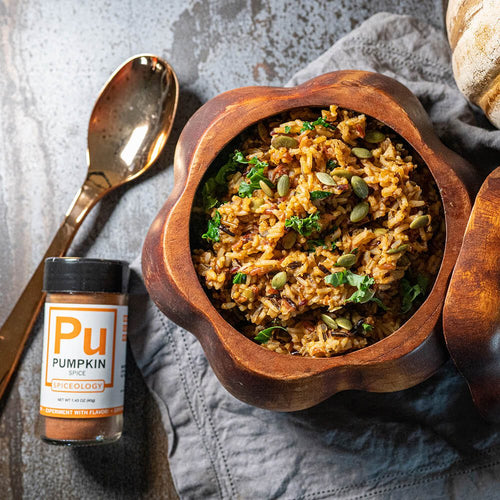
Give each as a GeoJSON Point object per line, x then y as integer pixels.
{"type": "Point", "coordinates": [54, 57]}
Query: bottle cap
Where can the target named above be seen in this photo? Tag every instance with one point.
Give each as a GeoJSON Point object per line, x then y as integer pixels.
{"type": "Point", "coordinates": [75, 274]}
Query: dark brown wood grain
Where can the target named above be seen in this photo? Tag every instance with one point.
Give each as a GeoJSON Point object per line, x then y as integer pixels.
{"type": "Point", "coordinates": [471, 315]}
{"type": "Point", "coordinates": [250, 372]}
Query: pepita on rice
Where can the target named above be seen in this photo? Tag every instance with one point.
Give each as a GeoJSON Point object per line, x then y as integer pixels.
{"type": "Point", "coordinates": [316, 302]}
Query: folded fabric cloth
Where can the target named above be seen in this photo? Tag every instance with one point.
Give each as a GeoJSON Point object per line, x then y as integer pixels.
{"type": "Point", "coordinates": [428, 441]}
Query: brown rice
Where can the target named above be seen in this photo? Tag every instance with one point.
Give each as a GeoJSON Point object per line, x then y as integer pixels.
{"type": "Point", "coordinates": [317, 307]}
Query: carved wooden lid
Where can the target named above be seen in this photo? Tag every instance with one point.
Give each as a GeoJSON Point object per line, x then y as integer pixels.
{"type": "Point", "coordinates": [471, 315]}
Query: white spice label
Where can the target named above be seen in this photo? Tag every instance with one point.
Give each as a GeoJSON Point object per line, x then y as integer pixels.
{"type": "Point", "coordinates": [83, 367]}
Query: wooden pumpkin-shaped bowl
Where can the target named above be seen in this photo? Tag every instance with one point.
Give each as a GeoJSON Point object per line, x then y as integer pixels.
{"type": "Point", "coordinates": [248, 371]}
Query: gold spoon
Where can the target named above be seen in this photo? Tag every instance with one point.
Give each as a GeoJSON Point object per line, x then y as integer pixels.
{"type": "Point", "coordinates": [129, 126]}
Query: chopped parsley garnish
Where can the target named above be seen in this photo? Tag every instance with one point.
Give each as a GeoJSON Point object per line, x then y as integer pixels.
{"type": "Point", "coordinates": [239, 157]}
{"type": "Point", "coordinates": [287, 129]}
{"type": "Point", "coordinates": [367, 327]}
{"type": "Point", "coordinates": [346, 276]}
{"type": "Point", "coordinates": [239, 278]}
{"type": "Point", "coordinates": [255, 175]}
{"type": "Point", "coordinates": [307, 126]}
{"type": "Point", "coordinates": [410, 293]}
{"type": "Point", "coordinates": [334, 244]}
{"type": "Point", "coordinates": [320, 121]}
{"type": "Point", "coordinates": [304, 226]}
{"type": "Point", "coordinates": [212, 233]}
{"type": "Point", "coordinates": [363, 293]}
{"type": "Point", "coordinates": [331, 164]}
{"type": "Point", "coordinates": [265, 335]}
{"type": "Point", "coordinates": [319, 195]}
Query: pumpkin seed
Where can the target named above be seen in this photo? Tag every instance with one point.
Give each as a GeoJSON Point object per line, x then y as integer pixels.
{"type": "Point", "coordinates": [267, 190]}
{"type": "Point", "coordinates": [342, 172]}
{"type": "Point", "coordinates": [399, 249]}
{"type": "Point", "coordinates": [329, 321]}
{"type": "Point", "coordinates": [344, 323]}
{"type": "Point", "coordinates": [359, 186]}
{"type": "Point", "coordinates": [326, 179]}
{"type": "Point", "coordinates": [361, 152]}
{"type": "Point", "coordinates": [420, 221]}
{"type": "Point", "coordinates": [279, 280]}
{"type": "Point", "coordinates": [289, 240]}
{"type": "Point", "coordinates": [347, 260]}
{"type": "Point", "coordinates": [248, 293]}
{"type": "Point", "coordinates": [360, 211]}
{"type": "Point", "coordinates": [256, 203]}
{"type": "Point", "coordinates": [284, 141]}
{"type": "Point", "coordinates": [283, 185]}
{"type": "Point", "coordinates": [374, 136]}
{"type": "Point", "coordinates": [379, 231]}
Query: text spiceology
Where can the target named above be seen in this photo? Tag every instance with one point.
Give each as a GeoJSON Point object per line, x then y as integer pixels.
{"type": "Point", "coordinates": [78, 363]}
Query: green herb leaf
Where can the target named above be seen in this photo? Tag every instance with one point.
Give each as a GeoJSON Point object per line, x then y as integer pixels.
{"type": "Point", "coordinates": [379, 303]}
{"type": "Point", "coordinates": [216, 186]}
{"type": "Point", "coordinates": [312, 244]}
{"type": "Point", "coordinates": [264, 335]}
{"type": "Point", "coordinates": [304, 226]}
{"type": "Point", "coordinates": [336, 279]}
{"type": "Point", "coordinates": [410, 293]}
{"type": "Point", "coordinates": [319, 195]}
{"type": "Point", "coordinates": [224, 172]}
{"type": "Point", "coordinates": [287, 129]}
{"type": "Point", "coordinates": [423, 282]}
{"type": "Point", "coordinates": [239, 278]}
{"type": "Point", "coordinates": [246, 190]}
{"type": "Point", "coordinates": [363, 293]}
{"type": "Point", "coordinates": [239, 157]}
{"type": "Point", "coordinates": [362, 296]}
{"type": "Point", "coordinates": [212, 233]}
{"type": "Point", "coordinates": [331, 164]}
{"type": "Point", "coordinates": [209, 194]}
{"type": "Point", "coordinates": [320, 121]}
{"type": "Point", "coordinates": [367, 327]}
{"type": "Point", "coordinates": [255, 175]}
{"type": "Point", "coordinates": [307, 126]}
{"type": "Point", "coordinates": [362, 282]}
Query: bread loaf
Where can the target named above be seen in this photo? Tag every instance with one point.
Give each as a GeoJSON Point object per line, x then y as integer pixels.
{"type": "Point", "coordinates": [474, 35]}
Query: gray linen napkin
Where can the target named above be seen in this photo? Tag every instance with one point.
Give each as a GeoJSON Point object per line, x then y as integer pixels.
{"type": "Point", "coordinates": [428, 441]}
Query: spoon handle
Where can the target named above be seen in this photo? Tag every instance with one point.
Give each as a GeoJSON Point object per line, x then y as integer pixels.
{"type": "Point", "coordinates": [15, 330]}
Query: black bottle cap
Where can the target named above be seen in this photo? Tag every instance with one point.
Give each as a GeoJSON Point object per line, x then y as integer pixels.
{"type": "Point", "coordinates": [74, 274]}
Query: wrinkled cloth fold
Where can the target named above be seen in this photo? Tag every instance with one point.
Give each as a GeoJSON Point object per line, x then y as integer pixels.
{"type": "Point", "coordinates": [428, 441]}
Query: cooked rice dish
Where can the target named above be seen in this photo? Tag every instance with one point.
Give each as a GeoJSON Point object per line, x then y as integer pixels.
{"type": "Point", "coordinates": [323, 233]}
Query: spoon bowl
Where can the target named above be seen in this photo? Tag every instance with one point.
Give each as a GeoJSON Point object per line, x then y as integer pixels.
{"type": "Point", "coordinates": [131, 120]}
{"type": "Point", "coordinates": [128, 127]}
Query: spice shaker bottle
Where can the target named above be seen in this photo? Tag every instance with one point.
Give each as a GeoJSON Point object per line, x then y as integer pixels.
{"type": "Point", "coordinates": [84, 350]}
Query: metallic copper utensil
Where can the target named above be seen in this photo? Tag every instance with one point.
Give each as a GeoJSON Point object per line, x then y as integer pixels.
{"type": "Point", "coordinates": [129, 126]}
